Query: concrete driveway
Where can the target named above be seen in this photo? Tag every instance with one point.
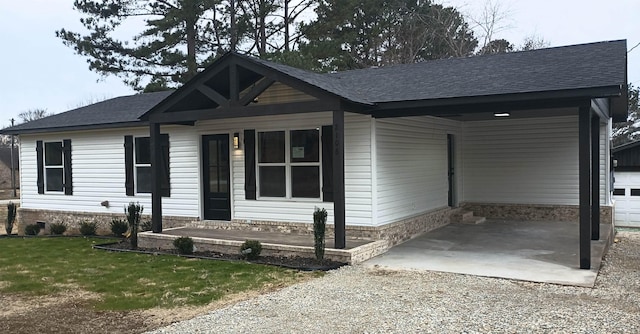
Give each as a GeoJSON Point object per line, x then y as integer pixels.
{"type": "Point", "coordinates": [538, 251]}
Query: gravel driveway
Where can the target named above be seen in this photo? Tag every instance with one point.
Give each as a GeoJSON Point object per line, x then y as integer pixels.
{"type": "Point", "coordinates": [360, 300]}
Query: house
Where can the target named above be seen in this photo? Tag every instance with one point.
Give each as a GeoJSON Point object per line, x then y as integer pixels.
{"type": "Point", "coordinates": [5, 168]}
{"type": "Point", "coordinates": [626, 192]}
{"type": "Point", "coordinates": [390, 152]}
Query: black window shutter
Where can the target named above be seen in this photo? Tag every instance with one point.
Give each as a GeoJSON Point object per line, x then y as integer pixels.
{"type": "Point", "coordinates": [128, 165]}
{"type": "Point", "coordinates": [327, 163]}
{"type": "Point", "coordinates": [250, 164]}
{"type": "Point", "coordinates": [68, 175]}
{"type": "Point", "coordinates": [165, 184]}
{"type": "Point", "coordinates": [40, 162]}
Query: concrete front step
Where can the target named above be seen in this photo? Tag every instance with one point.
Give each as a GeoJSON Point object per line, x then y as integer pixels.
{"type": "Point", "coordinates": [467, 217]}
{"type": "Point", "coordinates": [474, 220]}
{"type": "Point", "coordinates": [217, 242]}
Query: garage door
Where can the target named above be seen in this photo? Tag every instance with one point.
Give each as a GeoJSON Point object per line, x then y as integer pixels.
{"type": "Point", "coordinates": [627, 197]}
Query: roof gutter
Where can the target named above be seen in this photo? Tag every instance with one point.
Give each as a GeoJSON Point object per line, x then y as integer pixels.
{"type": "Point", "coordinates": [598, 92]}
{"type": "Point", "coordinates": [11, 131]}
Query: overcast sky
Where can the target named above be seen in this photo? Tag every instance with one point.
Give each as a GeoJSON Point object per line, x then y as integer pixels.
{"type": "Point", "coordinates": [38, 71]}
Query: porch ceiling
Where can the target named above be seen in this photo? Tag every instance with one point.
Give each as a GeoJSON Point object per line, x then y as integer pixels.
{"type": "Point", "coordinates": [530, 113]}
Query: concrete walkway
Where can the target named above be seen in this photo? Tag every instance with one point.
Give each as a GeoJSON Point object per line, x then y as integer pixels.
{"type": "Point", "coordinates": [540, 251]}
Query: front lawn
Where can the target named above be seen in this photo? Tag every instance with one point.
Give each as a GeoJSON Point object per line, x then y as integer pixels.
{"type": "Point", "coordinates": [126, 281]}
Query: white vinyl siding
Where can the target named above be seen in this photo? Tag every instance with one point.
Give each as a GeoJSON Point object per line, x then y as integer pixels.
{"type": "Point", "coordinates": [412, 166]}
{"type": "Point", "coordinates": [99, 173]}
{"type": "Point", "coordinates": [525, 161]}
{"type": "Point", "coordinates": [357, 169]}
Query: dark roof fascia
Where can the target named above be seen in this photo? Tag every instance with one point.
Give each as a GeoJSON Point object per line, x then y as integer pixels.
{"type": "Point", "coordinates": [583, 95]}
{"type": "Point", "coordinates": [626, 146]}
{"type": "Point", "coordinates": [77, 128]}
{"type": "Point", "coordinates": [620, 105]}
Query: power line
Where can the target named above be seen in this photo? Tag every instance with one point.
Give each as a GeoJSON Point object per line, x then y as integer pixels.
{"type": "Point", "coordinates": [633, 48]}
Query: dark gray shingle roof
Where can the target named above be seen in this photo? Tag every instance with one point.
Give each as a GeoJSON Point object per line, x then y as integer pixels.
{"type": "Point", "coordinates": [112, 112]}
{"type": "Point", "coordinates": [593, 65]}
{"type": "Point", "coordinates": [590, 65]}
{"type": "Point", "coordinates": [561, 68]}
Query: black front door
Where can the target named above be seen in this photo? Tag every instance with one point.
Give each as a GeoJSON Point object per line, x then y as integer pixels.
{"type": "Point", "coordinates": [216, 179]}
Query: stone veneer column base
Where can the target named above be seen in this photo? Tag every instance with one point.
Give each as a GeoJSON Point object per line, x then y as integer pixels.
{"type": "Point", "coordinates": [534, 212]}
{"type": "Point", "coordinates": [74, 218]}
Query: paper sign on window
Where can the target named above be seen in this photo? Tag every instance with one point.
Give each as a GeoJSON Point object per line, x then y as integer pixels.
{"type": "Point", "coordinates": [297, 152]}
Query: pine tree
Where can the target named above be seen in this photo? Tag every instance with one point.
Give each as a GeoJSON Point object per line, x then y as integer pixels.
{"type": "Point", "coordinates": [351, 34]}
{"type": "Point", "coordinates": [628, 131]}
{"type": "Point", "coordinates": [181, 36]}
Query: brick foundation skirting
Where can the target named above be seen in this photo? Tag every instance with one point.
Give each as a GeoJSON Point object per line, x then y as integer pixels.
{"type": "Point", "coordinates": [569, 213]}
{"type": "Point", "coordinates": [73, 219]}
{"type": "Point", "coordinates": [395, 233]}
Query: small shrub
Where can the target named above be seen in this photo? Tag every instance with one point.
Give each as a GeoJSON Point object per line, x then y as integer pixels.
{"type": "Point", "coordinates": [88, 228]}
{"type": "Point", "coordinates": [250, 249]}
{"type": "Point", "coordinates": [119, 227]}
{"type": "Point", "coordinates": [58, 228]}
{"type": "Point", "coordinates": [184, 245]}
{"type": "Point", "coordinates": [319, 228]}
{"type": "Point", "coordinates": [133, 212]}
{"type": "Point", "coordinates": [32, 229]}
{"type": "Point", "coordinates": [11, 217]}
{"type": "Point", "coordinates": [145, 225]}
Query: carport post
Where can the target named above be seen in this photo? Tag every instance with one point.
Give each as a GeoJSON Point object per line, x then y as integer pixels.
{"type": "Point", "coordinates": [584, 171]}
{"type": "Point", "coordinates": [338, 180]}
{"type": "Point", "coordinates": [156, 185]}
{"type": "Point", "coordinates": [595, 177]}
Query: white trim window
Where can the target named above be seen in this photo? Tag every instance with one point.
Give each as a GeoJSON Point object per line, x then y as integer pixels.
{"type": "Point", "coordinates": [289, 164]}
{"type": "Point", "coordinates": [142, 165]}
{"type": "Point", "coordinates": [53, 166]}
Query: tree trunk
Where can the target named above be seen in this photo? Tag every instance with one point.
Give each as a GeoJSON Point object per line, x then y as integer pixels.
{"type": "Point", "coordinates": [234, 33]}
{"type": "Point", "coordinates": [262, 29]}
{"type": "Point", "coordinates": [286, 26]}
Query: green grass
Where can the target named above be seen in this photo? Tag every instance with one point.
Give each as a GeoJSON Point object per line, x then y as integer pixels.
{"type": "Point", "coordinates": [125, 281]}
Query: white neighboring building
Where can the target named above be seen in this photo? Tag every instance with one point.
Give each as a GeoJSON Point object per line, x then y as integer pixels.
{"type": "Point", "coordinates": [626, 192]}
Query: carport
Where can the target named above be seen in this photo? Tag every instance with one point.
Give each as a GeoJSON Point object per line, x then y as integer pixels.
{"type": "Point", "coordinates": [537, 251]}
{"type": "Point", "coordinates": [531, 87]}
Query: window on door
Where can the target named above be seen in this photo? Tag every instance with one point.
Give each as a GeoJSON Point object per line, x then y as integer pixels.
{"type": "Point", "coordinates": [289, 163]}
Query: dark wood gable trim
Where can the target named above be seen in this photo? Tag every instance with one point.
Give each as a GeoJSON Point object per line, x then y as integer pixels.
{"type": "Point", "coordinates": [286, 79]}
{"type": "Point", "coordinates": [239, 105]}
{"type": "Point", "coordinates": [213, 95]}
{"type": "Point", "coordinates": [258, 89]}
{"type": "Point", "coordinates": [249, 111]}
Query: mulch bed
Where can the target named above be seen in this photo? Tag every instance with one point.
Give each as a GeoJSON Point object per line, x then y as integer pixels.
{"type": "Point", "coordinates": [297, 262]}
